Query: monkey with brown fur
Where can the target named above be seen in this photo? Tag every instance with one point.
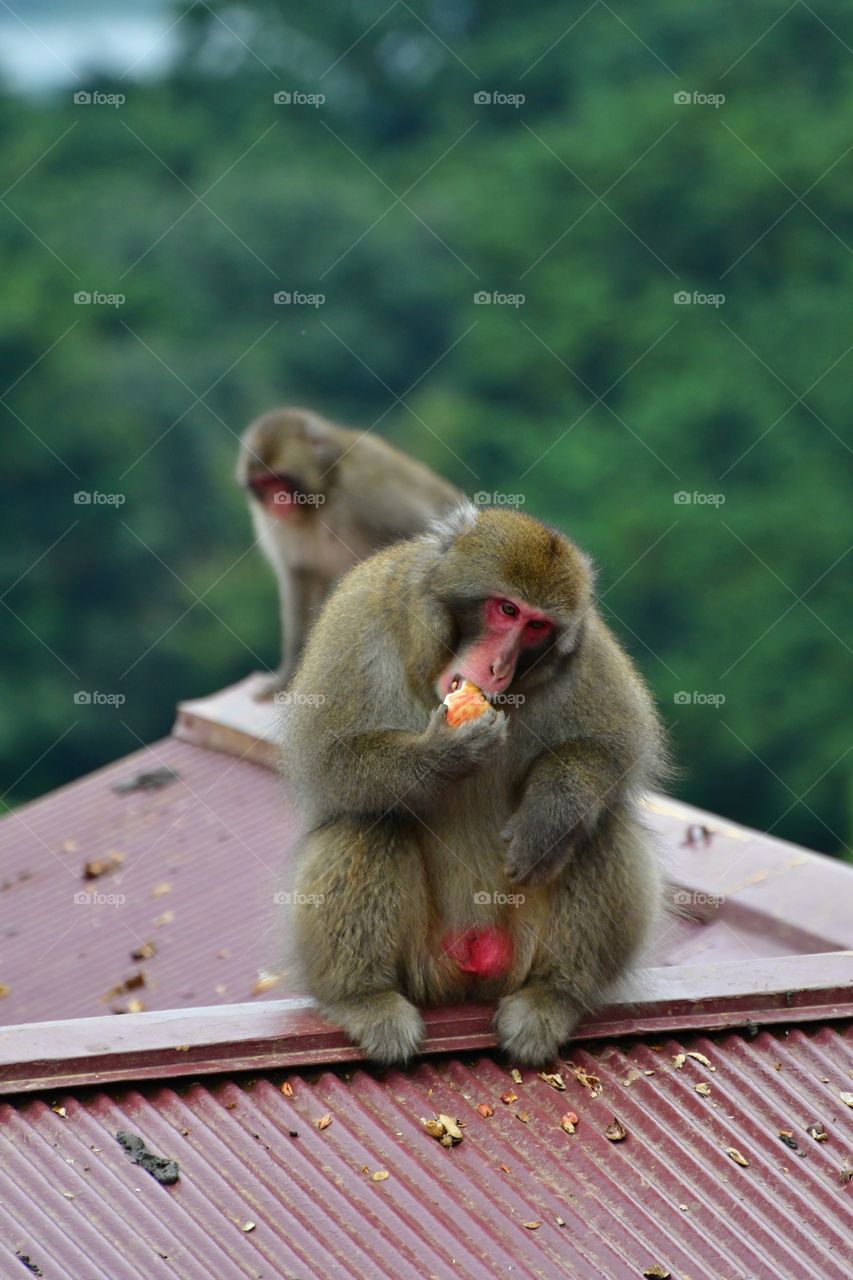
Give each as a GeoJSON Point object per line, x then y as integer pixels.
{"type": "Point", "coordinates": [321, 498]}
{"type": "Point", "coordinates": [504, 858]}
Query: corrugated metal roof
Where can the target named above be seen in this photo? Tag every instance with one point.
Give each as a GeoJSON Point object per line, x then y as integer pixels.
{"type": "Point", "coordinates": [204, 856]}
{"type": "Point", "coordinates": [668, 1195]}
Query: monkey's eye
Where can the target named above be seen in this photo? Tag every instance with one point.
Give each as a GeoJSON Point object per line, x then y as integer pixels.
{"type": "Point", "coordinates": [509, 609]}
{"type": "Point", "coordinates": [536, 624]}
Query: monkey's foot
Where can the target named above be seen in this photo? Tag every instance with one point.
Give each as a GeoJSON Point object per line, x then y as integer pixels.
{"type": "Point", "coordinates": [387, 1026]}
{"type": "Point", "coordinates": [532, 1024]}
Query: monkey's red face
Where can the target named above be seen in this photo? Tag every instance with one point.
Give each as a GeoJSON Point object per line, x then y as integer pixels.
{"type": "Point", "coordinates": [280, 495]}
{"type": "Point", "coordinates": [510, 628]}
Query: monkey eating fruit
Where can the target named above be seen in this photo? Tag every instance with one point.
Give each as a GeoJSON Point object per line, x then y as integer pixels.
{"type": "Point", "coordinates": [466, 851]}
{"type": "Point", "coordinates": [321, 498]}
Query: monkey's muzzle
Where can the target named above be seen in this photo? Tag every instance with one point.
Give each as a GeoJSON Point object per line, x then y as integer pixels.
{"type": "Point", "coordinates": [280, 495]}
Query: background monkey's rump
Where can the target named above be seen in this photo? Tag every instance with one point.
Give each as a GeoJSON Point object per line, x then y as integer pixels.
{"type": "Point", "coordinates": [423, 839]}
{"type": "Point", "coordinates": [321, 498]}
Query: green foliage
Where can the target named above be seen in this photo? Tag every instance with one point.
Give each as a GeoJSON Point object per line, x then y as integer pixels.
{"type": "Point", "coordinates": [597, 199]}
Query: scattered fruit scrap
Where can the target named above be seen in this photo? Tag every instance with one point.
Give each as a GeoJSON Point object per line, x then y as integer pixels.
{"type": "Point", "coordinates": [265, 982]}
{"type": "Point", "coordinates": [28, 1263]}
{"type": "Point", "coordinates": [101, 866]}
{"type": "Point", "coordinates": [616, 1131]}
{"type": "Point", "coordinates": [532, 1226]}
{"type": "Point", "coordinates": [5, 990]}
{"type": "Point", "coordinates": [509, 1097]}
{"type": "Point", "coordinates": [735, 1155]}
{"type": "Point", "coordinates": [445, 1129]}
{"type": "Point", "coordinates": [516, 1075]}
{"type": "Point", "coordinates": [166, 917]}
{"type": "Point", "coordinates": [846, 1098]}
{"type": "Point", "coordinates": [817, 1131]}
{"type": "Point", "coordinates": [160, 890]}
{"type": "Point", "coordinates": [380, 1175]}
{"type": "Point", "coordinates": [569, 1121]}
{"type": "Point", "coordinates": [485, 1110]}
{"type": "Point", "coordinates": [680, 1058]}
{"type": "Point", "coordinates": [553, 1078]}
{"type": "Point", "coordinates": [657, 1272]}
{"type": "Point", "coordinates": [161, 1169]}
{"type": "Point", "coordinates": [144, 951]}
{"type": "Point", "coordinates": [788, 1138]}
{"type": "Point", "coordinates": [584, 1078]}
{"type": "Point", "coordinates": [324, 1121]}
{"type": "Point", "coordinates": [704, 1089]}
{"type": "Point", "coordinates": [287, 1089]}
{"type": "Point", "coordinates": [248, 1226]}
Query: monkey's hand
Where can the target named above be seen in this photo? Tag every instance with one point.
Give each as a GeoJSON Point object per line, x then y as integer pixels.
{"type": "Point", "coordinates": [535, 853]}
{"type": "Point", "coordinates": [466, 746]}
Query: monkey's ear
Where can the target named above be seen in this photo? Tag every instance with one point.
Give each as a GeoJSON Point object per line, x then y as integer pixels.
{"type": "Point", "coordinates": [322, 439]}
{"type": "Point", "coordinates": [447, 528]}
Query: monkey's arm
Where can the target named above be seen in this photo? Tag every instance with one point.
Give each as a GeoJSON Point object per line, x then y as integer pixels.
{"type": "Point", "coordinates": [397, 770]}
{"type": "Point", "coordinates": [565, 795]}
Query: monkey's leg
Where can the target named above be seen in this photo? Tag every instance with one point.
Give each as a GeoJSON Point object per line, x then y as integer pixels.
{"type": "Point", "coordinates": [301, 592]}
{"type": "Point", "coordinates": [359, 902]}
{"type": "Point", "coordinates": [597, 917]}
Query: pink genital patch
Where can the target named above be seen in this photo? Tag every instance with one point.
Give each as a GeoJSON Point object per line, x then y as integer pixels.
{"type": "Point", "coordinates": [487, 952]}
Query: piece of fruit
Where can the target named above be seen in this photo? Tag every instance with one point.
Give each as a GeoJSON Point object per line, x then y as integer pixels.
{"type": "Point", "coordinates": [464, 702]}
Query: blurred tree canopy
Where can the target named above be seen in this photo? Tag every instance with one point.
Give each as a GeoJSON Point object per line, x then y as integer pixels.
{"type": "Point", "coordinates": [599, 398]}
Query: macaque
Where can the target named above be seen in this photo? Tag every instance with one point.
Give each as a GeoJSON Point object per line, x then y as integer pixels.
{"type": "Point", "coordinates": [457, 850]}
{"type": "Point", "coordinates": [321, 498]}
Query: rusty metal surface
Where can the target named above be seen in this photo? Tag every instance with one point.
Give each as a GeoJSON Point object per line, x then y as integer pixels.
{"type": "Point", "coordinates": [668, 1195]}
{"type": "Point", "coordinates": [204, 856]}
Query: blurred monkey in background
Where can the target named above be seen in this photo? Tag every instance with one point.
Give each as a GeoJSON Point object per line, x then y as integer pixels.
{"type": "Point", "coordinates": [323, 497]}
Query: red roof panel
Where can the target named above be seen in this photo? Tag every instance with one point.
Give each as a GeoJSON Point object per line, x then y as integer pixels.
{"type": "Point", "coordinates": [667, 1195]}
